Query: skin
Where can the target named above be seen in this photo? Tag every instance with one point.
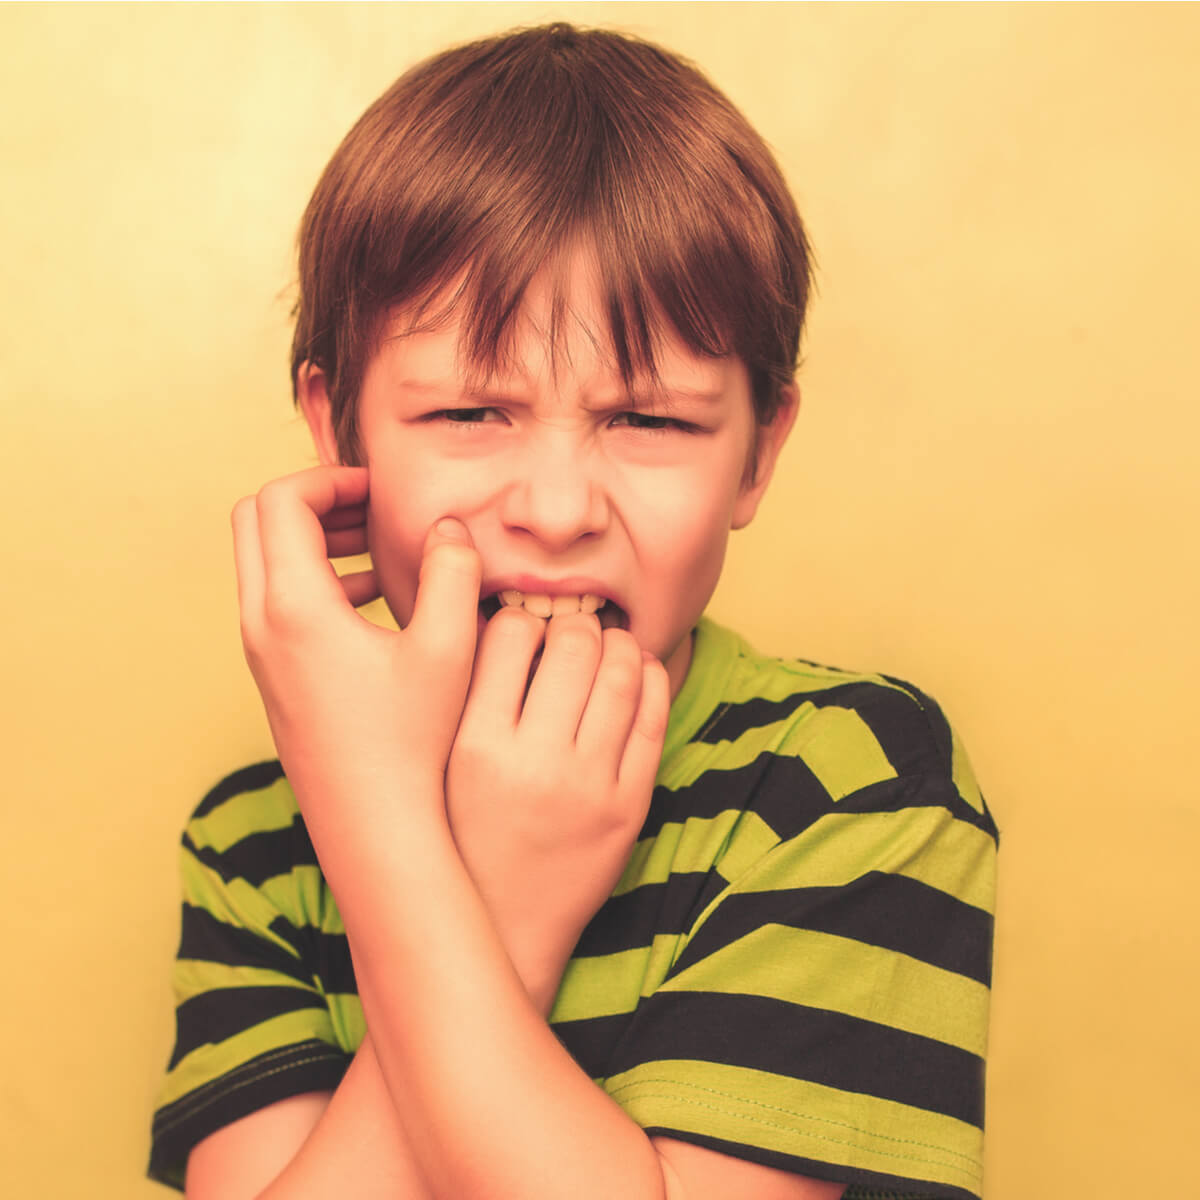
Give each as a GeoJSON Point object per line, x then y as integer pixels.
{"type": "Point", "coordinates": [562, 485]}
{"type": "Point", "coordinates": [410, 752]}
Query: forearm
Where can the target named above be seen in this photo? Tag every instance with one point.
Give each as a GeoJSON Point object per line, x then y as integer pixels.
{"type": "Point", "coordinates": [358, 1146]}
{"type": "Point", "coordinates": [492, 1103]}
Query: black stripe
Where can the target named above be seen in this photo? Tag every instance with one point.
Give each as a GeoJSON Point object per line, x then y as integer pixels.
{"type": "Point", "coordinates": [915, 735]}
{"type": "Point", "coordinates": [213, 1016]}
{"type": "Point", "coordinates": [874, 1182]}
{"type": "Point", "coordinates": [938, 725]}
{"type": "Point", "coordinates": [918, 791]}
{"type": "Point", "coordinates": [635, 918]}
{"type": "Point", "coordinates": [908, 725]}
{"type": "Point", "coordinates": [782, 790]}
{"type": "Point", "coordinates": [260, 856]}
{"type": "Point", "coordinates": [890, 911]}
{"type": "Point", "coordinates": [208, 939]}
{"type": "Point", "coordinates": [249, 779]}
{"type": "Point", "coordinates": [319, 956]}
{"type": "Point", "coordinates": [854, 693]}
{"type": "Point", "coordinates": [592, 1040]}
{"type": "Point", "coordinates": [331, 952]}
{"type": "Point", "coordinates": [828, 1048]}
{"type": "Point", "coordinates": [309, 1066]}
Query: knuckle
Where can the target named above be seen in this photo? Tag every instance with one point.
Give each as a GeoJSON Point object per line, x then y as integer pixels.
{"type": "Point", "coordinates": [284, 608]}
{"type": "Point", "coordinates": [652, 724]}
{"type": "Point", "coordinates": [250, 638]}
{"type": "Point", "coordinates": [272, 494]}
{"type": "Point", "coordinates": [623, 677]}
{"type": "Point", "coordinates": [468, 751]}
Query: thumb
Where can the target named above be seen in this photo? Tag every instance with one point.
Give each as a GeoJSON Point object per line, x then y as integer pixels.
{"type": "Point", "coordinates": [445, 611]}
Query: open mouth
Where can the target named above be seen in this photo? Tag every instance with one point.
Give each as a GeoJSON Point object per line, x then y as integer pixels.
{"type": "Point", "coordinates": [610, 614]}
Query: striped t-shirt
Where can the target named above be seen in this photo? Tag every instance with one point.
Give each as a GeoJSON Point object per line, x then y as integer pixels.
{"type": "Point", "coordinates": [794, 967]}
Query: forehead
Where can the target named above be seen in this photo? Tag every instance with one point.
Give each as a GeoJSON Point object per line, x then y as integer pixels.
{"type": "Point", "coordinates": [559, 337]}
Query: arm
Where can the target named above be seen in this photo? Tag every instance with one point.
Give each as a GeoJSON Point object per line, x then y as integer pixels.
{"type": "Point", "coordinates": [490, 1102]}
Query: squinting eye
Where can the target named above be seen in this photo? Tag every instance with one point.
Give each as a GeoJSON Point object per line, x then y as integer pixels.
{"type": "Point", "coordinates": [649, 422]}
{"type": "Point", "coordinates": [464, 416]}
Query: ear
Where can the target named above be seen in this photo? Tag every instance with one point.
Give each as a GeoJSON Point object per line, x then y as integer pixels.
{"type": "Point", "coordinates": [312, 394]}
{"type": "Point", "coordinates": [770, 442]}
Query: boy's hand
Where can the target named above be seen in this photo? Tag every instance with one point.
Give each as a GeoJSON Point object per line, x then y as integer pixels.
{"type": "Point", "coordinates": [357, 711]}
{"type": "Point", "coordinates": [548, 784]}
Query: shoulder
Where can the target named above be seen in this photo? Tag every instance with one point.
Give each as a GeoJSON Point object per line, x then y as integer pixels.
{"type": "Point", "coordinates": [850, 739]}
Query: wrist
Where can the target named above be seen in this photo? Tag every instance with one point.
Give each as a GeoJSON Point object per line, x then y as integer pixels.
{"type": "Point", "coordinates": [539, 957]}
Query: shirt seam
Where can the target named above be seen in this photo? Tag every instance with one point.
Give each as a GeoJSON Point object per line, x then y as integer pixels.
{"type": "Point", "coordinates": [971, 1172]}
{"type": "Point", "coordinates": [232, 1081]}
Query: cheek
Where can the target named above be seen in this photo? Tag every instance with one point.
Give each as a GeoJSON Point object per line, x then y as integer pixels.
{"type": "Point", "coordinates": [682, 553]}
{"type": "Point", "coordinates": [398, 518]}
{"type": "Point", "coordinates": [683, 518]}
{"type": "Point", "coordinates": [406, 499]}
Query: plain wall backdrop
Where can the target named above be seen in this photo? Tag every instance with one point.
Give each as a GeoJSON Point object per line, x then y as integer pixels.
{"type": "Point", "coordinates": [992, 491]}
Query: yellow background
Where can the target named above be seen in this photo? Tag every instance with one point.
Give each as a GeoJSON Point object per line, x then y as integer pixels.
{"type": "Point", "coordinates": [992, 491]}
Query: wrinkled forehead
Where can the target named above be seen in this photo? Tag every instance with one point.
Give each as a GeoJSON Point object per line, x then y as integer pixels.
{"type": "Point", "coordinates": [566, 323]}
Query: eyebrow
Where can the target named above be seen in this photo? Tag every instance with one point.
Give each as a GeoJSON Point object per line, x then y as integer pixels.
{"type": "Point", "coordinates": [646, 399]}
{"type": "Point", "coordinates": [669, 394]}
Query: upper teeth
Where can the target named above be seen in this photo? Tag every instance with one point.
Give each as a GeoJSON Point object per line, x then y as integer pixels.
{"type": "Point", "coordinates": [541, 605]}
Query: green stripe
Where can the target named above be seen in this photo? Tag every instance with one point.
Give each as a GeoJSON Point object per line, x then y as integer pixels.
{"type": "Point", "coordinates": [235, 902]}
{"type": "Point", "coordinates": [963, 776]}
{"type": "Point", "coordinates": [926, 844]}
{"type": "Point", "coordinates": [842, 975]}
{"type": "Point", "coordinates": [349, 1024]}
{"type": "Point", "coordinates": [208, 1063]}
{"type": "Point", "coordinates": [195, 975]}
{"type": "Point", "coordinates": [605, 985]}
{"type": "Point", "coordinates": [302, 897]}
{"type": "Point", "coordinates": [844, 754]}
{"type": "Point", "coordinates": [860, 1131]}
{"type": "Point", "coordinates": [836, 744]}
{"type": "Point", "coordinates": [244, 814]}
{"type": "Point", "coordinates": [694, 845]}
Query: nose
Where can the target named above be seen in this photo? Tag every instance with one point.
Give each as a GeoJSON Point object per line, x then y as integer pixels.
{"type": "Point", "coordinates": [554, 495]}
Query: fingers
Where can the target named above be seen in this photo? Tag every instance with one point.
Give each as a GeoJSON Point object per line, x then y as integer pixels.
{"type": "Point", "coordinates": [563, 684]}
{"type": "Point", "coordinates": [247, 557]}
{"type": "Point", "coordinates": [290, 516]}
{"type": "Point", "coordinates": [506, 653]}
{"type": "Point", "coordinates": [345, 531]}
{"type": "Point", "coordinates": [643, 750]}
{"type": "Point", "coordinates": [447, 601]}
{"type": "Point", "coordinates": [613, 705]}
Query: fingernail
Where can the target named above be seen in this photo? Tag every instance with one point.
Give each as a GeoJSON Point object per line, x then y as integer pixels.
{"type": "Point", "coordinates": [452, 530]}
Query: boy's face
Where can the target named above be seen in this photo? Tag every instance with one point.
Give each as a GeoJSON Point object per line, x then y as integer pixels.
{"type": "Point", "coordinates": [567, 489]}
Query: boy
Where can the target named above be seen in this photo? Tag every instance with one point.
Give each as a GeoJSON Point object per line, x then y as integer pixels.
{"type": "Point", "coordinates": [566, 892]}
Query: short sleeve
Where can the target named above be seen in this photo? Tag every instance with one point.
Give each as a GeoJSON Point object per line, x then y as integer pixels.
{"type": "Point", "coordinates": [828, 1012]}
{"type": "Point", "coordinates": [253, 972]}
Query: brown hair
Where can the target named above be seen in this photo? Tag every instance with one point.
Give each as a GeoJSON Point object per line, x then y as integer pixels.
{"type": "Point", "coordinates": [486, 163]}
